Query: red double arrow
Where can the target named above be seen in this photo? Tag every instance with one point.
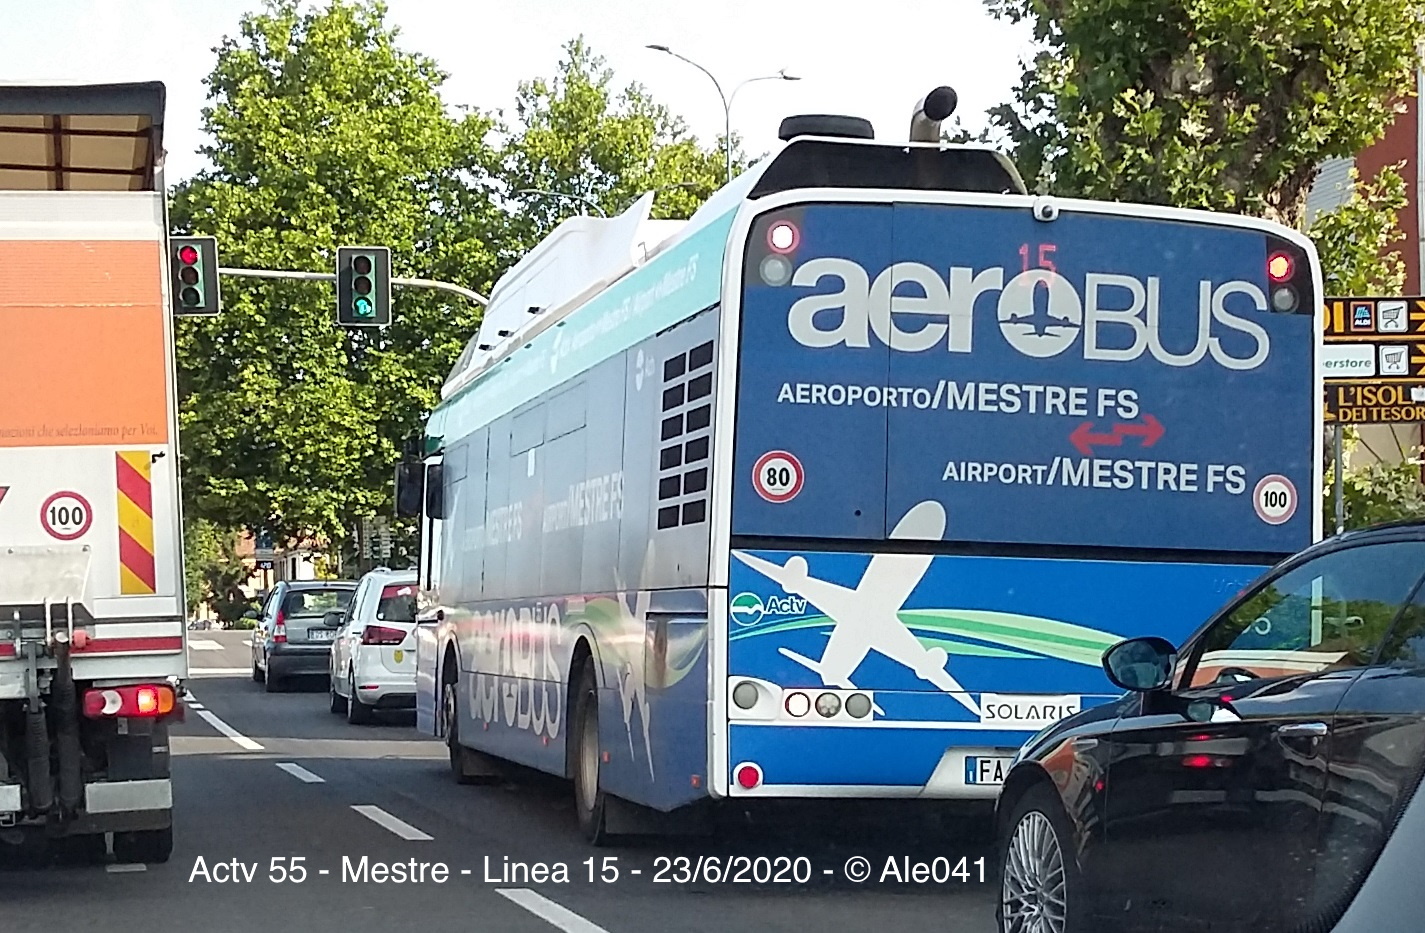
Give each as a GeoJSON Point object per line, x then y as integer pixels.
{"type": "Point", "coordinates": [1086, 439]}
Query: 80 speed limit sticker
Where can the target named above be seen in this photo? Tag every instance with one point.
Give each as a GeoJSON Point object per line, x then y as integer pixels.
{"type": "Point", "coordinates": [777, 476]}
{"type": "Point", "coordinates": [1274, 499]}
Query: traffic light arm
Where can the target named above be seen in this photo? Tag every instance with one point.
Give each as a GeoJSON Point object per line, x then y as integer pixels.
{"type": "Point", "coordinates": [331, 277]}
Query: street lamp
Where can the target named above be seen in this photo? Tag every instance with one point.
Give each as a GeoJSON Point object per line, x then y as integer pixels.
{"type": "Point", "coordinates": [727, 99]}
{"type": "Point", "coordinates": [564, 194]}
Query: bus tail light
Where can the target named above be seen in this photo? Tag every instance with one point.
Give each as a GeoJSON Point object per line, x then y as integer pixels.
{"type": "Point", "coordinates": [382, 635]}
{"type": "Point", "coordinates": [783, 237]}
{"type": "Point", "coordinates": [147, 701]}
{"type": "Point", "coordinates": [748, 775]}
{"type": "Point", "coordinates": [1280, 267]}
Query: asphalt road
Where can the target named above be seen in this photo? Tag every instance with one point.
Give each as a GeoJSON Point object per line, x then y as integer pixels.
{"type": "Point", "coordinates": [264, 779]}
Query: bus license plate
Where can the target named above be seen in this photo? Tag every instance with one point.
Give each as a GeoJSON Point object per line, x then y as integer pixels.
{"type": "Point", "coordinates": [986, 769]}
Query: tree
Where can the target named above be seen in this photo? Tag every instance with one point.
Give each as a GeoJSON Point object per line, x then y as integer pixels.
{"type": "Point", "coordinates": [323, 132]}
{"type": "Point", "coordinates": [577, 136]}
{"type": "Point", "coordinates": [1222, 104]}
{"type": "Point", "coordinates": [213, 572]}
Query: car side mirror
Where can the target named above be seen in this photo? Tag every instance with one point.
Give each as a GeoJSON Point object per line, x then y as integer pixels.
{"type": "Point", "coordinates": [250, 614]}
{"type": "Point", "coordinates": [333, 618]}
{"type": "Point", "coordinates": [1141, 664]}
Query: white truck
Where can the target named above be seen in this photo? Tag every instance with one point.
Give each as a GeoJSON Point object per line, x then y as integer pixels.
{"type": "Point", "coordinates": [92, 612]}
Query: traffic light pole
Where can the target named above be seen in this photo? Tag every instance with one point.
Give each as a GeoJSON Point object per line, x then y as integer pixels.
{"type": "Point", "coordinates": [331, 277]}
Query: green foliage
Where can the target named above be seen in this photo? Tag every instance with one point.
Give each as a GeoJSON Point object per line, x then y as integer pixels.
{"type": "Point", "coordinates": [213, 572]}
{"type": "Point", "coordinates": [576, 136]}
{"type": "Point", "coordinates": [1221, 104]}
{"type": "Point", "coordinates": [324, 132]}
{"type": "Point", "coordinates": [1356, 239]}
{"type": "Point", "coordinates": [1376, 492]}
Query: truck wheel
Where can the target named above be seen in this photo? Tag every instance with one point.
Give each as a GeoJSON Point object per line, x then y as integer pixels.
{"type": "Point", "coordinates": [357, 712]}
{"type": "Point", "coordinates": [151, 846]}
{"type": "Point", "coordinates": [588, 797]}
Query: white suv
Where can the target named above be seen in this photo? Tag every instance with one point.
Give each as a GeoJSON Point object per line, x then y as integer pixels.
{"type": "Point", "coordinates": [373, 657]}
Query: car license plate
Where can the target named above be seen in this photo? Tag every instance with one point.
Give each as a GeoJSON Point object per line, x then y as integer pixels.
{"type": "Point", "coordinates": [320, 634]}
{"type": "Point", "coordinates": [986, 769]}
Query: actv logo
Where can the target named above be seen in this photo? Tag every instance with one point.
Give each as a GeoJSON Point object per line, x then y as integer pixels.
{"type": "Point", "coordinates": [1040, 313]}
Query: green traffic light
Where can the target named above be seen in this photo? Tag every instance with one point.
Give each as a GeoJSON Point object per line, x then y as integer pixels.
{"type": "Point", "coordinates": [363, 307]}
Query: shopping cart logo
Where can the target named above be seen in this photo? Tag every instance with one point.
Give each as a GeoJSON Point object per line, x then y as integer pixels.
{"type": "Point", "coordinates": [1394, 361]}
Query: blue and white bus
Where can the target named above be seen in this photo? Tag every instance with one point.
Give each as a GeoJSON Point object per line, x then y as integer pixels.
{"type": "Point", "coordinates": [841, 487]}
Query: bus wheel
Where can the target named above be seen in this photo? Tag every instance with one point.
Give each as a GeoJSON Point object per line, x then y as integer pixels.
{"type": "Point", "coordinates": [588, 798]}
{"type": "Point", "coordinates": [452, 738]}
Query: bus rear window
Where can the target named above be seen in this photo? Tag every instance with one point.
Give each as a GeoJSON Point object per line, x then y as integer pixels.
{"type": "Point", "coordinates": [398, 603]}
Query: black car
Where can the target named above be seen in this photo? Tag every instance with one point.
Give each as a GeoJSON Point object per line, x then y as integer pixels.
{"type": "Point", "coordinates": [294, 635]}
{"type": "Point", "coordinates": [1260, 777]}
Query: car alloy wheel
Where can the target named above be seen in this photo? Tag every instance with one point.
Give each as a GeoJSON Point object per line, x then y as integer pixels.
{"type": "Point", "coordinates": [1033, 886]}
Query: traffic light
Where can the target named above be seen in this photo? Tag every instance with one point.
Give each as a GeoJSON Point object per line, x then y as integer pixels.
{"type": "Point", "coordinates": [193, 263]}
{"type": "Point", "coordinates": [363, 286]}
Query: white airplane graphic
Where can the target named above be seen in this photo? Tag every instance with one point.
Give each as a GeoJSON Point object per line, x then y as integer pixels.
{"type": "Point", "coordinates": [632, 690]}
{"type": "Point", "coordinates": [866, 618]}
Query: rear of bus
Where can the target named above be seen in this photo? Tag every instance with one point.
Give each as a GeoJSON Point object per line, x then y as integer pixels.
{"type": "Point", "coordinates": [978, 439]}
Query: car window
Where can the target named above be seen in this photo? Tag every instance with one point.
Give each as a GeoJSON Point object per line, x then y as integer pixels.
{"type": "Point", "coordinates": [1405, 646]}
{"type": "Point", "coordinates": [1330, 612]}
{"type": "Point", "coordinates": [315, 602]}
{"type": "Point", "coordinates": [398, 603]}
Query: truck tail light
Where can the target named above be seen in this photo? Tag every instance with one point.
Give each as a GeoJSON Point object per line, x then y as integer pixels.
{"type": "Point", "coordinates": [146, 701]}
{"type": "Point", "coordinates": [279, 629]}
{"type": "Point", "coordinates": [382, 635]}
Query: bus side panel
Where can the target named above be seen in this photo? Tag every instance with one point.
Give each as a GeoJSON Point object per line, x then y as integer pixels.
{"type": "Point", "coordinates": [599, 489]}
{"type": "Point", "coordinates": [1017, 642]}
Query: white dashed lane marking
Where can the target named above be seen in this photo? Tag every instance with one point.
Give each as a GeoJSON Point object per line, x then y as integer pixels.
{"type": "Point", "coordinates": [227, 730]}
{"type": "Point", "coordinates": [550, 912]}
{"type": "Point", "coordinates": [387, 821]}
{"type": "Point", "coordinates": [301, 773]}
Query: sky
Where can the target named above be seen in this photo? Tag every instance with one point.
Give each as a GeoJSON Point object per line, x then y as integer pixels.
{"type": "Point", "coordinates": [873, 67]}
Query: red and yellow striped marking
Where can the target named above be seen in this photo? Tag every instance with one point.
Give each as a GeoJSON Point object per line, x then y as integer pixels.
{"type": "Point", "coordinates": [136, 564]}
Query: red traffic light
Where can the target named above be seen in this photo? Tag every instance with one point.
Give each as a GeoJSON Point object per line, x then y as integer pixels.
{"type": "Point", "coordinates": [188, 255]}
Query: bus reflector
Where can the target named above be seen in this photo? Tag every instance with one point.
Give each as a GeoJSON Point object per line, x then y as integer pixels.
{"type": "Point", "coordinates": [775, 271]}
{"type": "Point", "coordinates": [748, 775]}
{"type": "Point", "coordinates": [146, 701]}
{"type": "Point", "coordinates": [1284, 299]}
{"type": "Point", "coordinates": [745, 695]}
